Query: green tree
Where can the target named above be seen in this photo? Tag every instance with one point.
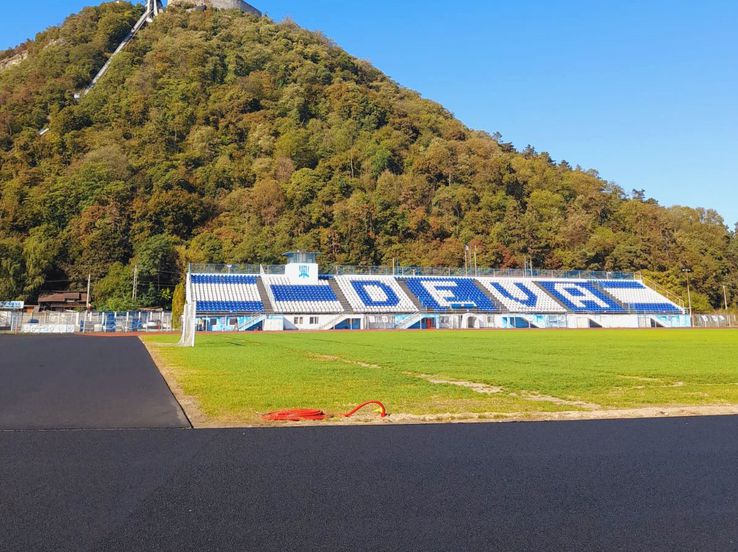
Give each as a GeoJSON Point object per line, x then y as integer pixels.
{"type": "Point", "coordinates": [114, 292]}
{"type": "Point", "coordinates": [11, 269]}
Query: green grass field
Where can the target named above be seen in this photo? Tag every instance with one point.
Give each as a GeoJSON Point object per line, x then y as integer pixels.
{"type": "Point", "coordinates": [435, 375]}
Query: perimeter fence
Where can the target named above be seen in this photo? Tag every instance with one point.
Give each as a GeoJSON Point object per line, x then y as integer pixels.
{"type": "Point", "coordinates": [85, 322]}
{"type": "Point", "coordinates": [715, 320]}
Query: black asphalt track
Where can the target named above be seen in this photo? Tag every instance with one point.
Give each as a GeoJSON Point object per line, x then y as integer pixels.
{"type": "Point", "coordinates": [639, 485]}
{"type": "Point", "coordinates": [61, 382]}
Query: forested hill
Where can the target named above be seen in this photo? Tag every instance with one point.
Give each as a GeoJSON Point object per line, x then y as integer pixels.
{"type": "Point", "coordinates": [218, 136]}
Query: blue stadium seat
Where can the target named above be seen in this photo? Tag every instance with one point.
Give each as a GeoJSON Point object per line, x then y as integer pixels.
{"type": "Point", "coordinates": [521, 295]}
{"type": "Point", "coordinates": [581, 297]}
{"type": "Point", "coordinates": [226, 293]}
{"type": "Point", "coordinates": [302, 298]}
{"type": "Point", "coordinates": [448, 294]}
{"type": "Point", "coordinates": [637, 297]}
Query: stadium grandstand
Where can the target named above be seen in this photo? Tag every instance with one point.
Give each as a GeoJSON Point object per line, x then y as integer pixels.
{"type": "Point", "coordinates": [297, 296]}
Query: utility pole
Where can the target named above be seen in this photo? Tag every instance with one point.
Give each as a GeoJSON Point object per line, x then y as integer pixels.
{"type": "Point", "coordinates": [89, 285]}
{"type": "Point", "coordinates": [476, 270]}
{"type": "Point", "coordinates": [134, 292]}
{"type": "Point", "coordinates": [466, 259]}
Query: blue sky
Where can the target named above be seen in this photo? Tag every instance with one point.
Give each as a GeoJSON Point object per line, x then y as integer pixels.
{"type": "Point", "coordinates": [643, 91]}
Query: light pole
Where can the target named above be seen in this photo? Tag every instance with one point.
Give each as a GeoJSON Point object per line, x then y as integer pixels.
{"type": "Point", "coordinates": [725, 297]}
{"type": "Point", "coordinates": [688, 271]}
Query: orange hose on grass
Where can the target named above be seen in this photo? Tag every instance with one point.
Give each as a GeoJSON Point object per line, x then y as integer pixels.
{"type": "Point", "coordinates": [313, 415]}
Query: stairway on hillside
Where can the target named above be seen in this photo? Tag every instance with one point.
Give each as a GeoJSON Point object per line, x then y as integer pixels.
{"type": "Point", "coordinates": [340, 295]}
{"type": "Point", "coordinates": [268, 307]}
{"type": "Point", "coordinates": [153, 8]}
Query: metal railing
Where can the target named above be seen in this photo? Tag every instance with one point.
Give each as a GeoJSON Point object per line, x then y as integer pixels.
{"type": "Point", "coordinates": [236, 268]}
{"type": "Point", "coordinates": [673, 297]}
{"type": "Point", "coordinates": [715, 320]}
{"type": "Point", "coordinates": [11, 321]}
{"type": "Point", "coordinates": [340, 270]}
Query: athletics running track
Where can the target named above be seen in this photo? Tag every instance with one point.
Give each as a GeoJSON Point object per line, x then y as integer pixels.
{"type": "Point", "coordinates": [648, 485]}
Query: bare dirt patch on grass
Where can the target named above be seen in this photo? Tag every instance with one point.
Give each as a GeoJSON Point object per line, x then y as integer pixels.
{"type": "Point", "coordinates": [474, 386]}
{"type": "Point", "coordinates": [479, 417]}
{"type": "Point", "coordinates": [657, 382]}
{"type": "Point", "coordinates": [333, 358]}
{"type": "Point", "coordinates": [537, 397]}
{"type": "Point", "coordinates": [602, 414]}
{"type": "Point", "coordinates": [495, 390]}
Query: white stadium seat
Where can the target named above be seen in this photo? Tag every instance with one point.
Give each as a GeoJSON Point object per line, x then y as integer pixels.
{"type": "Point", "coordinates": [375, 294]}
{"type": "Point", "coordinates": [290, 298]}
{"type": "Point", "coordinates": [521, 295]}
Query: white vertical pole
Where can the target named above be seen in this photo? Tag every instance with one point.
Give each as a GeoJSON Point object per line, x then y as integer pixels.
{"type": "Point", "coordinates": [725, 297]}
{"type": "Point", "coordinates": [89, 282]}
{"type": "Point", "coordinates": [135, 283]}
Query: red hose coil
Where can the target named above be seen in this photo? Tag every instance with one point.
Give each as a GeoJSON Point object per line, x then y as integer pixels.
{"type": "Point", "coordinates": [295, 415]}
{"type": "Point", "coordinates": [310, 414]}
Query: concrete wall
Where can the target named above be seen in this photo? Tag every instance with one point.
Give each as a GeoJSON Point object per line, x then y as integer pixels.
{"type": "Point", "coordinates": [280, 322]}
{"type": "Point", "coordinates": [217, 4]}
